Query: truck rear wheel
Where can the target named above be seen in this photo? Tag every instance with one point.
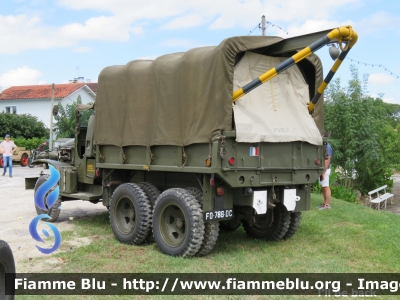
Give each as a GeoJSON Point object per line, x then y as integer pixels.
{"type": "Point", "coordinates": [24, 160]}
{"type": "Point", "coordinates": [178, 223]}
{"type": "Point", "coordinates": [7, 265]}
{"type": "Point", "coordinates": [55, 210]}
{"type": "Point", "coordinates": [152, 193]}
{"type": "Point", "coordinates": [211, 229]}
{"type": "Point", "coordinates": [295, 219]}
{"type": "Point", "coordinates": [271, 226]}
{"type": "Point", "coordinates": [130, 214]}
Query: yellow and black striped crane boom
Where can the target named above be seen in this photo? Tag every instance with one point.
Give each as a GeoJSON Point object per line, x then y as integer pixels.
{"type": "Point", "coordinates": [343, 34]}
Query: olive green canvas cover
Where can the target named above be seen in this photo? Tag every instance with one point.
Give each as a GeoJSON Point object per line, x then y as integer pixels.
{"type": "Point", "coordinates": [177, 99]}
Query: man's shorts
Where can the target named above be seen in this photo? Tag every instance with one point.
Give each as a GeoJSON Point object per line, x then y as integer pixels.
{"type": "Point", "coordinates": [325, 182]}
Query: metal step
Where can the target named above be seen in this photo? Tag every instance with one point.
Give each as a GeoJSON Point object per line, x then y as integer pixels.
{"type": "Point", "coordinates": [82, 196]}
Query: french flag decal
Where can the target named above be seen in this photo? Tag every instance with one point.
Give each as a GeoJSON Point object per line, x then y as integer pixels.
{"type": "Point", "coordinates": [253, 151]}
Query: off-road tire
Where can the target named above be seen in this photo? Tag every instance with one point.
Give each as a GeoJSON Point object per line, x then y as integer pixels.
{"type": "Point", "coordinates": [272, 226]}
{"type": "Point", "coordinates": [7, 265]}
{"type": "Point", "coordinates": [295, 219]}
{"type": "Point", "coordinates": [55, 210]}
{"type": "Point", "coordinates": [211, 229]}
{"type": "Point", "coordinates": [130, 214]}
{"type": "Point", "coordinates": [24, 160]}
{"type": "Point", "coordinates": [183, 234]}
{"type": "Point", "coordinates": [152, 193]}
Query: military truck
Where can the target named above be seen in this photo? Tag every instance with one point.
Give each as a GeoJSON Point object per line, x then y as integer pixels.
{"type": "Point", "coordinates": [182, 145]}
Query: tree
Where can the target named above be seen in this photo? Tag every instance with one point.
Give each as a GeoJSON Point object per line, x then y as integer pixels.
{"type": "Point", "coordinates": [22, 126]}
{"type": "Point", "coordinates": [66, 119]}
{"type": "Point", "coordinates": [357, 123]}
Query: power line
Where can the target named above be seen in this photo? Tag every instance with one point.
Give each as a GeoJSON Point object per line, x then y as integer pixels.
{"type": "Point", "coordinates": [268, 23]}
{"type": "Point", "coordinates": [375, 65]}
{"type": "Point", "coordinates": [273, 25]}
{"type": "Point", "coordinates": [258, 26]}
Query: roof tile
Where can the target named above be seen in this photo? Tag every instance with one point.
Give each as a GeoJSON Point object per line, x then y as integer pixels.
{"type": "Point", "coordinates": [93, 86]}
{"type": "Point", "coordinates": [39, 91]}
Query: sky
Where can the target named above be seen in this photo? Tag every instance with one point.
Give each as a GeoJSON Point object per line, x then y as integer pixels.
{"type": "Point", "coordinates": [44, 42]}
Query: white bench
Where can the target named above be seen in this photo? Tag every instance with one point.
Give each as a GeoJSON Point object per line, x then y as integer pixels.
{"type": "Point", "coordinates": [380, 199]}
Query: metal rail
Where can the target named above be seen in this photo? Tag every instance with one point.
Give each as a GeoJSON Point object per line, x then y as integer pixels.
{"type": "Point", "coordinates": [343, 34]}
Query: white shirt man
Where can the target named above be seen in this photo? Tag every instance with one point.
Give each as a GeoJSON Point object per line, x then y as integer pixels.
{"type": "Point", "coordinates": [9, 148]}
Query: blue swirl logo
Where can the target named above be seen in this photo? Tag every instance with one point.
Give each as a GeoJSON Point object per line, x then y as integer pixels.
{"type": "Point", "coordinates": [45, 203]}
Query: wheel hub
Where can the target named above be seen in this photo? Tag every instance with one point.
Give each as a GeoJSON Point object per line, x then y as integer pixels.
{"type": "Point", "coordinates": [179, 223]}
{"type": "Point", "coordinates": [172, 225]}
{"type": "Point", "coordinates": [125, 214]}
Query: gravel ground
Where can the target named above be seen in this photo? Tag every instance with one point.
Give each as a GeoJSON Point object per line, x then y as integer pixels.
{"type": "Point", "coordinates": [18, 210]}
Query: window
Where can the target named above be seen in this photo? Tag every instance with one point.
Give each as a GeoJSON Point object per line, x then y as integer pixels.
{"type": "Point", "coordinates": [11, 109]}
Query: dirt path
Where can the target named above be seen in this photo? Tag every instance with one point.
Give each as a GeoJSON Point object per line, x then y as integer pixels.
{"type": "Point", "coordinates": [18, 210]}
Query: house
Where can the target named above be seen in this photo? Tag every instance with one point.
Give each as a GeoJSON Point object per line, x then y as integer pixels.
{"type": "Point", "coordinates": [93, 86]}
{"type": "Point", "coordinates": [36, 99]}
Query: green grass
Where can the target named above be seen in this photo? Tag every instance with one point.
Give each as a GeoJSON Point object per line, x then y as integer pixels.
{"type": "Point", "coordinates": [349, 238]}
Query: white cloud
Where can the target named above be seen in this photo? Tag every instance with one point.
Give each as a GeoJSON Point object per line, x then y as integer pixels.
{"type": "Point", "coordinates": [311, 26]}
{"type": "Point", "coordinates": [390, 100]}
{"type": "Point", "coordinates": [182, 43]}
{"type": "Point", "coordinates": [118, 20]}
{"type": "Point", "coordinates": [20, 33]}
{"type": "Point", "coordinates": [100, 28]}
{"type": "Point", "coordinates": [221, 14]}
{"type": "Point", "coordinates": [82, 49]}
{"type": "Point", "coordinates": [379, 22]}
{"type": "Point", "coordinates": [380, 79]}
{"type": "Point", "coordinates": [20, 76]}
{"type": "Point", "coordinates": [190, 20]}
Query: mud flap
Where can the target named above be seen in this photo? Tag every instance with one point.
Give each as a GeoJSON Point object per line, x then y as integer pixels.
{"type": "Point", "coordinates": [260, 202]}
{"type": "Point", "coordinates": [290, 198]}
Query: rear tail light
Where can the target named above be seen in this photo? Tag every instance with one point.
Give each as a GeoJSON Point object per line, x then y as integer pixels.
{"type": "Point", "coordinates": [232, 161]}
{"type": "Point", "coordinates": [220, 191]}
{"type": "Point", "coordinates": [208, 162]}
{"type": "Point", "coordinates": [97, 173]}
{"type": "Point", "coordinates": [317, 161]}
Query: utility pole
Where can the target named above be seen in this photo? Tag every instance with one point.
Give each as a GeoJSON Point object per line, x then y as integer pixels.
{"type": "Point", "coordinates": [51, 118]}
{"type": "Point", "coordinates": [263, 28]}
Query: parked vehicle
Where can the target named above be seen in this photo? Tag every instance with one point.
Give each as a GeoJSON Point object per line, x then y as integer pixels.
{"type": "Point", "coordinates": [21, 156]}
{"type": "Point", "coordinates": [174, 151]}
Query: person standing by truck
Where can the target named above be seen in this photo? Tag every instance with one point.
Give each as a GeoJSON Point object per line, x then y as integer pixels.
{"type": "Point", "coordinates": [324, 179]}
{"type": "Point", "coordinates": [9, 148]}
{"type": "Point", "coordinates": [43, 146]}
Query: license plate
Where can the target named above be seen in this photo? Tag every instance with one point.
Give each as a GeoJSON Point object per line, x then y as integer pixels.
{"type": "Point", "coordinates": [218, 215]}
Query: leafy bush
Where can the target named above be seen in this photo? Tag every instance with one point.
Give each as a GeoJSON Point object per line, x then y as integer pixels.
{"type": "Point", "coordinates": [29, 144]}
{"type": "Point", "coordinates": [66, 119]}
{"type": "Point", "coordinates": [22, 126]}
{"type": "Point", "coordinates": [361, 141]}
{"type": "Point", "coordinates": [337, 191]}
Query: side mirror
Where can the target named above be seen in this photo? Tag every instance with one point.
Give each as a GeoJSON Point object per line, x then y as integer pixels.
{"type": "Point", "coordinates": [55, 110]}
